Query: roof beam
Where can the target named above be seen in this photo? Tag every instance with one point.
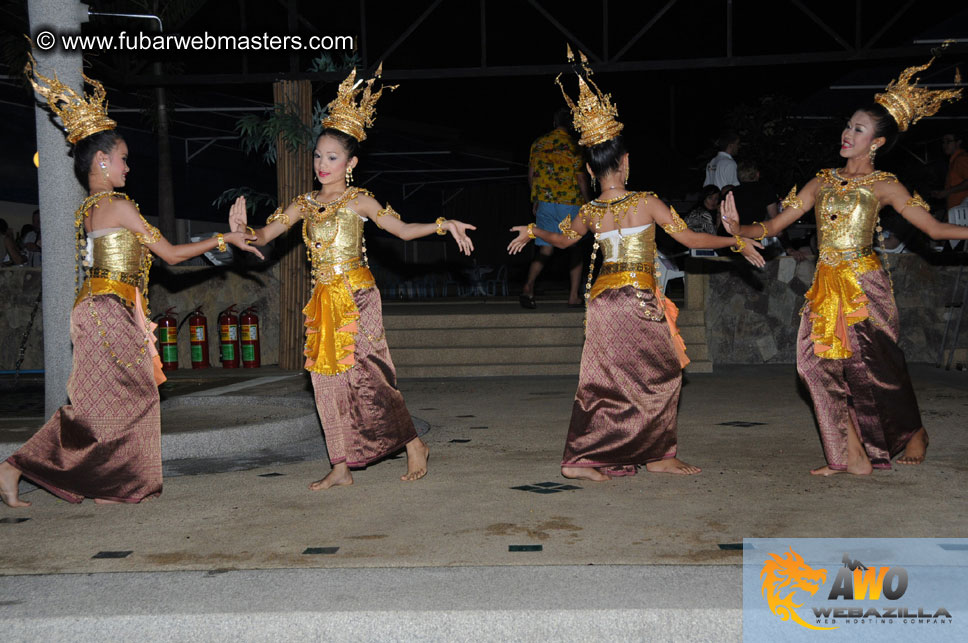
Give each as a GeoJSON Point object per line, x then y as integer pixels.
{"type": "Point", "coordinates": [560, 27]}
{"type": "Point", "coordinates": [829, 31]}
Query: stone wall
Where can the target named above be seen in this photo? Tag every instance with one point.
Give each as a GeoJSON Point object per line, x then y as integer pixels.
{"type": "Point", "coordinates": [184, 288]}
{"type": "Point", "coordinates": [752, 316]}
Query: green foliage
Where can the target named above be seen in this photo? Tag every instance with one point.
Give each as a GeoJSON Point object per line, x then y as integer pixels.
{"type": "Point", "coordinates": [262, 133]}
{"type": "Point", "coordinates": [253, 200]}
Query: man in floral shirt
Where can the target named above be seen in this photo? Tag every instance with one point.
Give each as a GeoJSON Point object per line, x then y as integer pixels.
{"type": "Point", "coordinates": [559, 187]}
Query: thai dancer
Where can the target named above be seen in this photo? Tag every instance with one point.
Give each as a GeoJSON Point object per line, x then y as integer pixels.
{"type": "Point", "coordinates": [363, 414]}
{"type": "Point", "coordinates": [624, 413]}
{"type": "Point", "coordinates": [106, 444]}
{"type": "Point", "coordinates": [847, 347]}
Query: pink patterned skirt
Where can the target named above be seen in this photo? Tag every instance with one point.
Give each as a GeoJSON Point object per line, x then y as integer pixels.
{"type": "Point", "coordinates": [363, 414]}
{"type": "Point", "coordinates": [625, 409]}
{"type": "Point", "coordinates": [872, 388]}
{"type": "Point", "coordinates": [107, 442]}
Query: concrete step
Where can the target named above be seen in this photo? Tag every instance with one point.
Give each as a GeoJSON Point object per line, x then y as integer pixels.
{"type": "Point", "coordinates": [471, 355]}
{"type": "Point", "coordinates": [509, 319]}
{"type": "Point", "coordinates": [486, 370]}
{"type": "Point", "coordinates": [700, 366]}
{"type": "Point", "coordinates": [433, 338]}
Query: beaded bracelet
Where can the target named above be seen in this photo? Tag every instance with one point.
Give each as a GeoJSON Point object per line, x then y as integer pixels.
{"type": "Point", "coordinates": [531, 231]}
{"type": "Point", "coordinates": [765, 231]}
{"type": "Point", "coordinates": [440, 221]}
{"type": "Point", "coordinates": [740, 244]}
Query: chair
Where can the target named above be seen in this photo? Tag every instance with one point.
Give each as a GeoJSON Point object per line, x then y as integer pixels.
{"type": "Point", "coordinates": [957, 215]}
{"type": "Point", "coordinates": [498, 285]}
{"type": "Point", "coordinates": [667, 270]}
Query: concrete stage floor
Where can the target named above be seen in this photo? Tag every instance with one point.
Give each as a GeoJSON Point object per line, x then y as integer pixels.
{"type": "Point", "coordinates": [494, 487]}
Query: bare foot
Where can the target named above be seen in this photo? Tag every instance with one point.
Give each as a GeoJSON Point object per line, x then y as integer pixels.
{"type": "Point", "coordinates": [9, 486]}
{"type": "Point", "coordinates": [916, 448]}
{"type": "Point", "coordinates": [672, 465]}
{"type": "Point", "coordinates": [584, 473]}
{"type": "Point", "coordinates": [340, 476]}
{"type": "Point", "coordinates": [860, 468]}
{"type": "Point", "coordinates": [417, 455]}
{"type": "Point", "coordinates": [105, 501]}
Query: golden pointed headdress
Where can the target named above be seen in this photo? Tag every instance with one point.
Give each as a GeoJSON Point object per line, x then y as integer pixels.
{"type": "Point", "coordinates": [908, 103]}
{"type": "Point", "coordinates": [348, 116]}
{"type": "Point", "coordinates": [81, 115]}
{"type": "Point", "coordinates": [594, 115]}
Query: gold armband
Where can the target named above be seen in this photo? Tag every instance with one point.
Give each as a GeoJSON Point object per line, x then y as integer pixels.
{"type": "Point", "coordinates": [221, 242]}
{"type": "Point", "coordinates": [740, 244]}
{"type": "Point", "coordinates": [565, 227]}
{"type": "Point", "coordinates": [153, 235]}
{"type": "Point", "coordinates": [677, 225]}
{"type": "Point", "coordinates": [765, 231]}
{"type": "Point", "coordinates": [531, 231]}
{"type": "Point", "coordinates": [792, 200]}
{"type": "Point", "coordinates": [279, 216]}
{"type": "Point", "coordinates": [440, 221]}
{"type": "Point", "coordinates": [387, 212]}
{"type": "Point", "coordinates": [917, 202]}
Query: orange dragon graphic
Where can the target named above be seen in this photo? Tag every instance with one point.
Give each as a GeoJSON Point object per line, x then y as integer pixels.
{"type": "Point", "coordinates": [790, 572]}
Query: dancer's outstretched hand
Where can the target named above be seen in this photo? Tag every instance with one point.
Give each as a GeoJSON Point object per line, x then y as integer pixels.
{"type": "Point", "coordinates": [458, 229]}
{"type": "Point", "coordinates": [750, 254]}
{"type": "Point", "coordinates": [240, 240]}
{"type": "Point", "coordinates": [519, 242]}
{"type": "Point", "coordinates": [238, 218]}
{"type": "Point", "coordinates": [729, 214]}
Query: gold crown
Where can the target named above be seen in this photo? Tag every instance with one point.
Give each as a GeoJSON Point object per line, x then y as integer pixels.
{"type": "Point", "coordinates": [345, 114]}
{"type": "Point", "coordinates": [908, 103]}
{"type": "Point", "coordinates": [594, 115]}
{"type": "Point", "coordinates": [81, 115]}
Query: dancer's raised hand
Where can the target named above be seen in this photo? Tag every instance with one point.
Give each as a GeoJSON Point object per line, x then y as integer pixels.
{"type": "Point", "coordinates": [519, 242]}
{"type": "Point", "coordinates": [238, 218]}
{"type": "Point", "coordinates": [729, 214]}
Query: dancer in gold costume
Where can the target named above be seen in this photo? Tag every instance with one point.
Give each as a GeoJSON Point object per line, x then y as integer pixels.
{"type": "Point", "coordinates": [363, 414]}
{"type": "Point", "coordinates": [106, 444]}
{"type": "Point", "coordinates": [848, 353]}
{"type": "Point", "coordinates": [625, 410]}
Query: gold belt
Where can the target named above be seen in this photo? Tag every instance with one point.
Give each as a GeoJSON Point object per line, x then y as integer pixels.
{"type": "Point", "coordinates": [613, 267]}
{"type": "Point", "coordinates": [834, 257]}
{"type": "Point", "coordinates": [327, 272]}
{"type": "Point", "coordinates": [130, 278]}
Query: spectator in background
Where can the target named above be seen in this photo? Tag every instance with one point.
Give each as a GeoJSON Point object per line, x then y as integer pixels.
{"type": "Point", "coordinates": [721, 170]}
{"type": "Point", "coordinates": [30, 240]}
{"type": "Point", "coordinates": [559, 187]}
{"type": "Point", "coordinates": [704, 216]}
{"type": "Point", "coordinates": [956, 182]}
{"type": "Point", "coordinates": [11, 252]}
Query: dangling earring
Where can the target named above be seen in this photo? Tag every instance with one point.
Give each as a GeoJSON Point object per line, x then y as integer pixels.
{"type": "Point", "coordinates": [594, 183]}
{"type": "Point", "coordinates": [104, 170]}
{"type": "Point", "coordinates": [872, 153]}
{"type": "Point", "coordinates": [349, 175]}
{"type": "Point", "coordinates": [626, 174]}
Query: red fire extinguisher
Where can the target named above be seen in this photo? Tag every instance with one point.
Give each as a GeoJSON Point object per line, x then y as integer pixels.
{"type": "Point", "coordinates": [250, 338]}
{"type": "Point", "coordinates": [168, 340]}
{"type": "Point", "coordinates": [228, 326]}
{"type": "Point", "coordinates": [198, 338]}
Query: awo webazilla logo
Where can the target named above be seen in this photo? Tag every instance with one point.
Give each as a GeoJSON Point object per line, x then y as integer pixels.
{"type": "Point", "coordinates": [784, 577]}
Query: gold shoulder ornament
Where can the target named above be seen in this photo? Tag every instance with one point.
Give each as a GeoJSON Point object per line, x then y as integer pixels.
{"type": "Point", "coordinates": [917, 202]}
{"type": "Point", "coordinates": [565, 228]}
{"type": "Point", "coordinates": [792, 200]}
{"type": "Point", "coordinates": [677, 225]}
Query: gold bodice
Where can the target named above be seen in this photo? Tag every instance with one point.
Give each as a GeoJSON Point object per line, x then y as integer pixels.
{"type": "Point", "coordinates": [638, 247]}
{"type": "Point", "coordinates": [118, 252]}
{"type": "Point", "coordinates": [334, 238]}
{"type": "Point", "coordinates": [847, 210]}
{"type": "Point", "coordinates": [333, 234]}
